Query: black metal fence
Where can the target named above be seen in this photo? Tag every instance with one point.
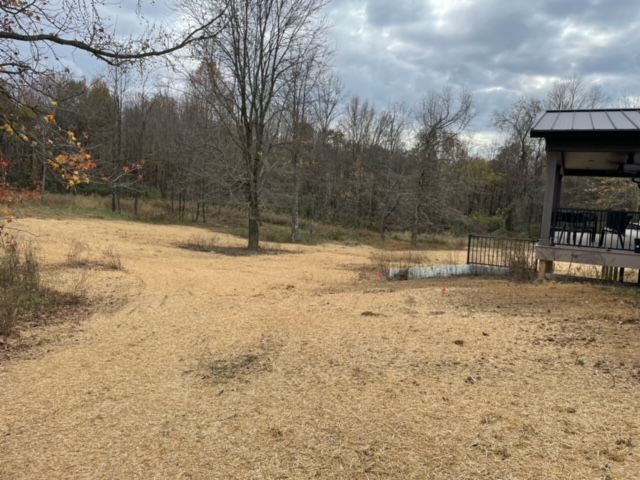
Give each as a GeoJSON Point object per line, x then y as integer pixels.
{"type": "Point", "coordinates": [502, 252]}
{"type": "Point", "coordinates": [608, 229]}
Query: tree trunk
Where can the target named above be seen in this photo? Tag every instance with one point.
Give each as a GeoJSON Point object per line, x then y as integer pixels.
{"type": "Point", "coordinates": [254, 195]}
{"type": "Point", "coordinates": [135, 205]}
{"type": "Point", "coordinates": [44, 180]}
{"type": "Point", "coordinates": [414, 227]}
{"type": "Point", "coordinates": [113, 200]}
{"type": "Point", "coordinates": [254, 227]}
{"type": "Point", "coordinates": [295, 214]}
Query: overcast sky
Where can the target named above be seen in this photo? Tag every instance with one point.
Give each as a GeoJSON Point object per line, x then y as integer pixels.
{"type": "Point", "coordinates": [497, 49]}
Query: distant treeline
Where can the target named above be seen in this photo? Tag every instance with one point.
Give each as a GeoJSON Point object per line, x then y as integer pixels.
{"type": "Point", "coordinates": [329, 160]}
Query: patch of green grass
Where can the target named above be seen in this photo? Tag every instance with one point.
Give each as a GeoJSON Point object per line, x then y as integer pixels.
{"type": "Point", "coordinates": [92, 206]}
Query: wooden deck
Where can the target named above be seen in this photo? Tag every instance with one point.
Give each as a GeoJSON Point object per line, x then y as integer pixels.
{"type": "Point", "coordinates": [588, 255]}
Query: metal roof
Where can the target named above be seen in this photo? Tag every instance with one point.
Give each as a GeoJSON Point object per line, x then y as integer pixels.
{"type": "Point", "coordinates": [585, 121]}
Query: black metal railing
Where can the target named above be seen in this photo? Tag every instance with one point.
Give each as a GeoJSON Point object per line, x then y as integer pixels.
{"type": "Point", "coordinates": [608, 229]}
{"type": "Point", "coordinates": [501, 252]}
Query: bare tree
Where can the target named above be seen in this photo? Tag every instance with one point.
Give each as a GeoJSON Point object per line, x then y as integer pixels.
{"type": "Point", "coordinates": [573, 93]}
{"type": "Point", "coordinates": [80, 25]}
{"type": "Point", "coordinates": [360, 133]}
{"type": "Point", "coordinates": [517, 121]}
{"type": "Point", "coordinates": [326, 101]}
{"type": "Point", "coordinates": [629, 101]}
{"type": "Point", "coordinates": [327, 96]}
{"type": "Point", "coordinates": [391, 125]}
{"type": "Point", "coordinates": [32, 34]}
{"type": "Point", "coordinates": [442, 117]}
{"type": "Point", "coordinates": [522, 156]}
{"type": "Point", "coordinates": [303, 79]}
{"type": "Point", "coordinates": [258, 45]}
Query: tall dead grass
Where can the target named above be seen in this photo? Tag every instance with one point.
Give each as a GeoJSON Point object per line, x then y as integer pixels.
{"type": "Point", "coordinates": [521, 266]}
{"type": "Point", "coordinates": [384, 261]}
{"type": "Point", "coordinates": [21, 290]}
{"type": "Point", "coordinates": [80, 255]}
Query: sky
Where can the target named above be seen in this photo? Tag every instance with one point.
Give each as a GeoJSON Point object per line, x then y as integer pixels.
{"type": "Point", "coordinates": [389, 51]}
{"type": "Point", "coordinates": [497, 49]}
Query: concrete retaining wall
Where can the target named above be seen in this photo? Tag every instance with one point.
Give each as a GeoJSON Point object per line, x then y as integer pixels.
{"type": "Point", "coordinates": [413, 273]}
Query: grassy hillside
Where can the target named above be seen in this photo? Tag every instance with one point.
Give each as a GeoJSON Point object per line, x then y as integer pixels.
{"type": "Point", "coordinates": [275, 227]}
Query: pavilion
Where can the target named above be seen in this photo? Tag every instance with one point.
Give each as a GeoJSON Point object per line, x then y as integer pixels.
{"type": "Point", "coordinates": [596, 143]}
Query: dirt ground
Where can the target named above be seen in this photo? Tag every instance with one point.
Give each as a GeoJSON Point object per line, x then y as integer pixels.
{"type": "Point", "coordinates": [303, 364]}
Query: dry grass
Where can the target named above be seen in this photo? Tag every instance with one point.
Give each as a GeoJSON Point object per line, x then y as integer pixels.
{"type": "Point", "coordinates": [242, 366]}
{"type": "Point", "coordinates": [486, 379]}
{"type": "Point", "coordinates": [29, 299]}
{"type": "Point", "coordinates": [521, 266]}
{"type": "Point", "coordinates": [80, 255]}
{"type": "Point", "coordinates": [276, 227]}
{"type": "Point", "coordinates": [111, 259]}
{"type": "Point", "coordinates": [199, 243]}
{"type": "Point", "coordinates": [383, 260]}
{"type": "Point", "coordinates": [210, 244]}
{"type": "Point", "coordinates": [21, 291]}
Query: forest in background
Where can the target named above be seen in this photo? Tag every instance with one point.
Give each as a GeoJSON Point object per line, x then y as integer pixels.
{"type": "Point", "coordinates": [256, 129]}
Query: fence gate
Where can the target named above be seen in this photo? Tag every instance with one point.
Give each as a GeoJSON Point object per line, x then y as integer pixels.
{"type": "Point", "coordinates": [502, 252]}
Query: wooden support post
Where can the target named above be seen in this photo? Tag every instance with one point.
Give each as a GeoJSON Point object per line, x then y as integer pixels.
{"type": "Point", "coordinates": [551, 195]}
{"type": "Point", "coordinates": [544, 267]}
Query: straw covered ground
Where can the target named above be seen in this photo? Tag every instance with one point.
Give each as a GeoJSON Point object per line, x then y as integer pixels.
{"type": "Point", "coordinates": [300, 363]}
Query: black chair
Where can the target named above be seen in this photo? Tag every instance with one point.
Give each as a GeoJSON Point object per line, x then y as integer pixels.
{"type": "Point", "coordinates": [616, 223]}
{"type": "Point", "coordinates": [572, 223]}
